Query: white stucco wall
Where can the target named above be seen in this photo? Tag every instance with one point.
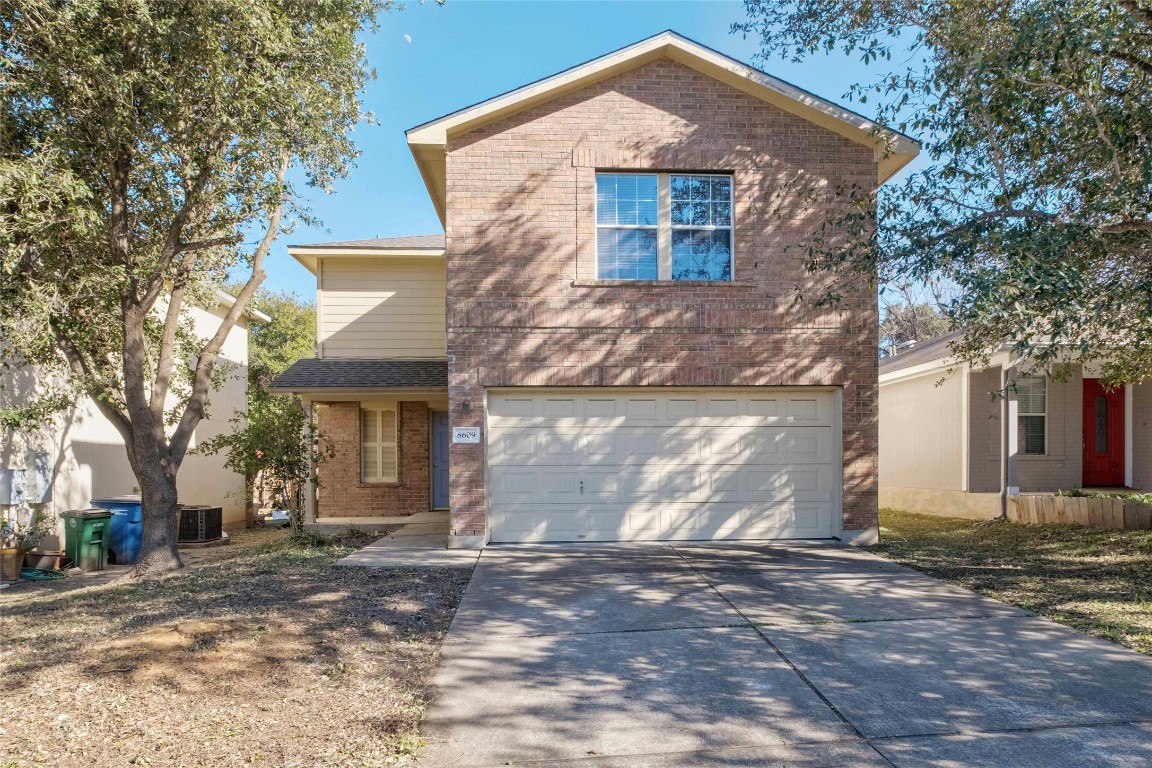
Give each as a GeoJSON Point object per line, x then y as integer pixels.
{"type": "Point", "coordinates": [87, 453]}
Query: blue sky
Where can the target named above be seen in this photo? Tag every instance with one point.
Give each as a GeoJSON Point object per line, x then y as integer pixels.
{"type": "Point", "coordinates": [431, 60]}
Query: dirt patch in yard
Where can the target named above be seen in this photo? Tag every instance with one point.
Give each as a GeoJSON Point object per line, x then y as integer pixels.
{"type": "Point", "coordinates": [261, 654]}
{"type": "Point", "coordinates": [1098, 581]}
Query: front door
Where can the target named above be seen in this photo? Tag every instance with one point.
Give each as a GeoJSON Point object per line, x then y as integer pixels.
{"type": "Point", "coordinates": [1103, 435]}
{"type": "Point", "coordinates": [440, 433]}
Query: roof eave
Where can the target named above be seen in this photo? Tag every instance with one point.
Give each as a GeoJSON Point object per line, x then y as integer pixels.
{"type": "Point", "coordinates": [309, 256]}
{"type": "Point", "coordinates": [429, 141]}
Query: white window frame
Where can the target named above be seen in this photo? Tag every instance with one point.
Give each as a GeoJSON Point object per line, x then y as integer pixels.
{"type": "Point", "coordinates": [380, 475]}
{"type": "Point", "coordinates": [1020, 414]}
{"type": "Point", "coordinates": [664, 226]}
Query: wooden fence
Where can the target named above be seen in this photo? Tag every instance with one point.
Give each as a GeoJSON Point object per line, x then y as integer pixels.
{"type": "Point", "coordinates": [1092, 511]}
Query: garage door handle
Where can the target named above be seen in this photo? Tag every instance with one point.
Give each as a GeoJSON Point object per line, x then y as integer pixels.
{"type": "Point", "coordinates": [581, 486]}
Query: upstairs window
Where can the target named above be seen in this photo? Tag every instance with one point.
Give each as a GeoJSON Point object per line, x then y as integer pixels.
{"type": "Point", "coordinates": [663, 226]}
{"type": "Point", "coordinates": [378, 451]}
{"type": "Point", "coordinates": [1031, 415]}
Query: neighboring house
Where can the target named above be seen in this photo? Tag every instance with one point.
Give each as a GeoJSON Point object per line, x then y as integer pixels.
{"type": "Point", "coordinates": [79, 455]}
{"type": "Point", "coordinates": [606, 345]}
{"type": "Point", "coordinates": [950, 445]}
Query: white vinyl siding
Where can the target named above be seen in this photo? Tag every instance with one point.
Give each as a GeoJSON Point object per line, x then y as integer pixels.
{"type": "Point", "coordinates": [378, 450]}
{"type": "Point", "coordinates": [385, 307]}
{"type": "Point", "coordinates": [651, 465]}
{"type": "Point", "coordinates": [1032, 415]}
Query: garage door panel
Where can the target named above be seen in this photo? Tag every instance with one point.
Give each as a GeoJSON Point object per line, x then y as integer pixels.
{"type": "Point", "coordinates": [663, 522]}
{"type": "Point", "coordinates": [662, 465]}
{"type": "Point", "coordinates": [699, 409]}
{"type": "Point", "coordinates": [600, 446]}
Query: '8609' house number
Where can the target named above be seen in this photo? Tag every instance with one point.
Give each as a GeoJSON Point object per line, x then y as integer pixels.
{"type": "Point", "coordinates": [465, 434]}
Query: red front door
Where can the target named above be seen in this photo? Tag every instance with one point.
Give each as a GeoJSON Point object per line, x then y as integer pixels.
{"type": "Point", "coordinates": [1103, 435]}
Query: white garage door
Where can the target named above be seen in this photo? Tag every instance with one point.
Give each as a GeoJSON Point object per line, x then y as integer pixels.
{"type": "Point", "coordinates": [650, 465]}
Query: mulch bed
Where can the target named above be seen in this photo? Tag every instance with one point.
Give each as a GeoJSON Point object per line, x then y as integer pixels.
{"type": "Point", "coordinates": [260, 653]}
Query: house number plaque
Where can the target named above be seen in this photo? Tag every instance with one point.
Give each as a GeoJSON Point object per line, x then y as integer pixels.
{"type": "Point", "coordinates": [465, 434]}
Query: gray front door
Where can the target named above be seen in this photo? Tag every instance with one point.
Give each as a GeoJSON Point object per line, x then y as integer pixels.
{"type": "Point", "coordinates": [440, 433]}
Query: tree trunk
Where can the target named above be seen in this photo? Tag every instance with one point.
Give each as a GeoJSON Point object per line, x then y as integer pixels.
{"type": "Point", "coordinates": [158, 550]}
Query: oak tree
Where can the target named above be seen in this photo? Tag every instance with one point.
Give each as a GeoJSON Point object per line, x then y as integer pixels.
{"type": "Point", "coordinates": [1036, 201]}
{"type": "Point", "coordinates": [148, 152]}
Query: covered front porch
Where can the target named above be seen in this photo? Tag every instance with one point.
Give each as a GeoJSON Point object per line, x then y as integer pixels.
{"type": "Point", "coordinates": [383, 440]}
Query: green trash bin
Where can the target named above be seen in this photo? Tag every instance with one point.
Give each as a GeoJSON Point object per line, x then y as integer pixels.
{"type": "Point", "coordinates": [86, 537]}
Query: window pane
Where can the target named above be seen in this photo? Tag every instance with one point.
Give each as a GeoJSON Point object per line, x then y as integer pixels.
{"type": "Point", "coordinates": [369, 462]}
{"type": "Point", "coordinates": [1031, 435]}
{"type": "Point", "coordinates": [701, 255]}
{"type": "Point", "coordinates": [721, 188]}
{"type": "Point", "coordinates": [1101, 425]}
{"type": "Point", "coordinates": [627, 199]}
{"type": "Point", "coordinates": [626, 254]}
{"type": "Point", "coordinates": [722, 214]}
{"type": "Point", "coordinates": [605, 199]}
{"type": "Point", "coordinates": [368, 422]}
{"type": "Point", "coordinates": [1030, 394]}
{"type": "Point", "coordinates": [701, 201]}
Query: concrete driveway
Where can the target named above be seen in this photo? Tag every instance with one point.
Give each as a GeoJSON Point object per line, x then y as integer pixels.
{"type": "Point", "coordinates": [798, 655]}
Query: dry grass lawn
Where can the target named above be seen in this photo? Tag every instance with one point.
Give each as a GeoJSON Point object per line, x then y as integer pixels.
{"type": "Point", "coordinates": [255, 655]}
{"type": "Point", "coordinates": [1099, 582]}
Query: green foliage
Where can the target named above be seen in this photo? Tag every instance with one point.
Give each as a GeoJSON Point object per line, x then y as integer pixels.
{"type": "Point", "coordinates": [289, 336]}
{"type": "Point", "coordinates": [1037, 121]}
{"type": "Point", "coordinates": [1080, 493]}
{"type": "Point", "coordinates": [902, 323]}
{"type": "Point", "coordinates": [275, 440]}
{"type": "Point", "coordinates": [141, 145]}
{"type": "Point", "coordinates": [271, 443]}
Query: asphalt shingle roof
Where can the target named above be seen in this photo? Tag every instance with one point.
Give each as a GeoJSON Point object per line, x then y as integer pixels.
{"type": "Point", "coordinates": [410, 243]}
{"type": "Point", "coordinates": [340, 373]}
{"type": "Point", "coordinates": [924, 352]}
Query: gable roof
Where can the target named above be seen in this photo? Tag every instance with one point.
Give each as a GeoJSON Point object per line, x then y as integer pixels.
{"type": "Point", "coordinates": [938, 348]}
{"type": "Point", "coordinates": [428, 142]}
{"type": "Point", "coordinates": [415, 246]}
{"type": "Point", "coordinates": [409, 243]}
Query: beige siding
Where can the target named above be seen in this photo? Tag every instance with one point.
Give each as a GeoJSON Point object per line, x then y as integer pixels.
{"type": "Point", "coordinates": [382, 308]}
{"type": "Point", "coordinates": [941, 502]}
{"type": "Point", "coordinates": [1062, 466]}
{"type": "Point", "coordinates": [985, 428]}
{"type": "Point", "coordinates": [921, 441]}
{"type": "Point", "coordinates": [1142, 436]}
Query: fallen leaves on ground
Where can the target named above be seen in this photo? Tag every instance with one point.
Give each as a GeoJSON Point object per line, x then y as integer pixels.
{"type": "Point", "coordinates": [265, 655]}
{"type": "Point", "coordinates": [1098, 581]}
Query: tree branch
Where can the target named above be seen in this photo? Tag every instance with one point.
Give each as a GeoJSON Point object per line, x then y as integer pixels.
{"type": "Point", "coordinates": [202, 379]}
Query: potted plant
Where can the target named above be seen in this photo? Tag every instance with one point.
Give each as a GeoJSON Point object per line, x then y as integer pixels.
{"type": "Point", "coordinates": [44, 549]}
{"type": "Point", "coordinates": [16, 539]}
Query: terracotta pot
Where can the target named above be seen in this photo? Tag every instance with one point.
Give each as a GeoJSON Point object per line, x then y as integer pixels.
{"type": "Point", "coordinates": [11, 561]}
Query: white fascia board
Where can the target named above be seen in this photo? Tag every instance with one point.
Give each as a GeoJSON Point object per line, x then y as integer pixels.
{"type": "Point", "coordinates": [308, 257]}
{"type": "Point", "coordinates": [227, 301]}
{"type": "Point", "coordinates": [428, 141]}
{"type": "Point", "coordinates": [939, 366]}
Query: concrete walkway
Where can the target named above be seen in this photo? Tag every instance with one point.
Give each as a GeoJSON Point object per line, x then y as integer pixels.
{"type": "Point", "coordinates": [420, 543]}
{"type": "Point", "coordinates": [778, 655]}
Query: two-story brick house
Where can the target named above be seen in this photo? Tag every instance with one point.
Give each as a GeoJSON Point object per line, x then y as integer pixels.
{"type": "Point", "coordinates": [606, 344]}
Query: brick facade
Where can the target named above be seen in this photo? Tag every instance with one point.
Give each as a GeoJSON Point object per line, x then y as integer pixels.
{"type": "Point", "coordinates": [525, 309]}
{"type": "Point", "coordinates": [341, 492]}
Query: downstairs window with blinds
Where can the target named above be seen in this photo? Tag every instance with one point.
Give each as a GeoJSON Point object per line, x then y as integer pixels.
{"type": "Point", "coordinates": [1032, 415]}
{"type": "Point", "coordinates": [378, 453]}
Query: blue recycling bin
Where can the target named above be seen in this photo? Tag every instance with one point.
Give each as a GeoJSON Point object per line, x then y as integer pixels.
{"type": "Point", "coordinates": [127, 524]}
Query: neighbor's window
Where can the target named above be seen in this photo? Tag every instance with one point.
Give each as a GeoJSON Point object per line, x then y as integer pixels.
{"type": "Point", "coordinates": [378, 445]}
{"type": "Point", "coordinates": [663, 226]}
{"type": "Point", "coordinates": [1031, 414]}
